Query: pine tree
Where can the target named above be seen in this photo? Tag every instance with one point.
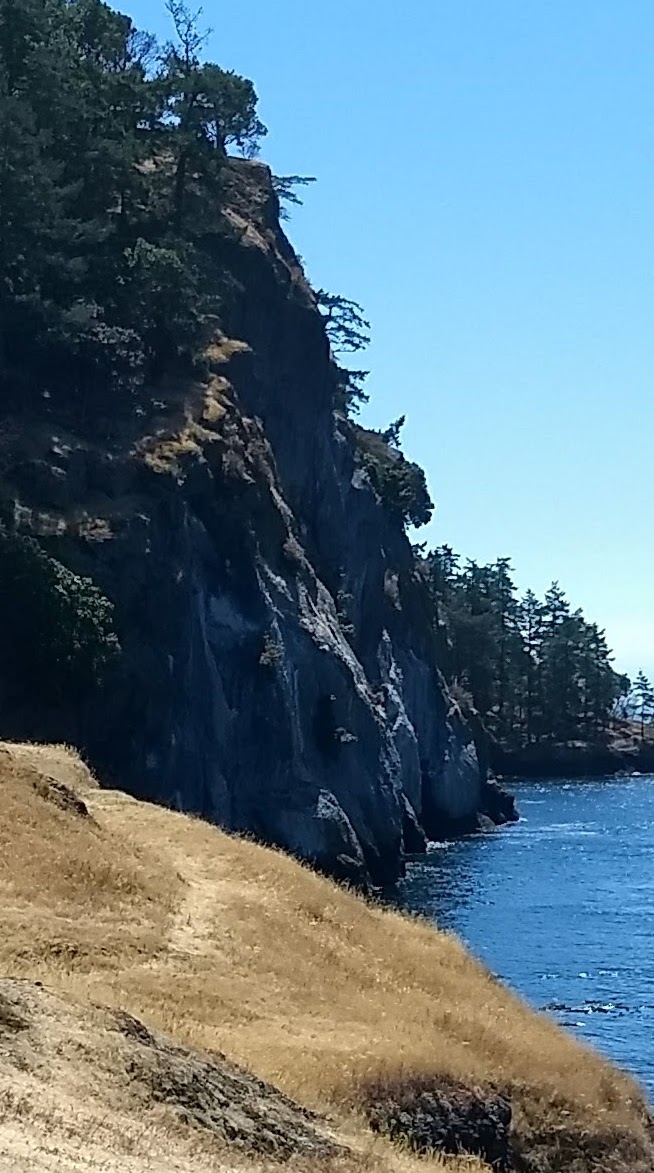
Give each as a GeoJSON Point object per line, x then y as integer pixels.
{"type": "Point", "coordinates": [347, 329]}
{"type": "Point", "coordinates": [643, 696]}
{"type": "Point", "coordinates": [530, 625]}
{"type": "Point", "coordinates": [206, 109]}
{"type": "Point", "coordinates": [285, 189]}
{"type": "Point", "coordinates": [29, 199]}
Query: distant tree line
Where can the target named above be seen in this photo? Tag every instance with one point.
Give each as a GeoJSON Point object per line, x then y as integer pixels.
{"type": "Point", "coordinates": [536, 669]}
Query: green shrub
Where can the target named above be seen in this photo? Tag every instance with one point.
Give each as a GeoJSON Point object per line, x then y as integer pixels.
{"type": "Point", "coordinates": [271, 654]}
{"type": "Point", "coordinates": [56, 627]}
{"type": "Point", "coordinates": [401, 484]}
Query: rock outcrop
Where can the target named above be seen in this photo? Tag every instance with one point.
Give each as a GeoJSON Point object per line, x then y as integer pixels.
{"type": "Point", "coordinates": [445, 1117]}
{"type": "Point", "coordinates": [57, 1043]}
{"type": "Point", "coordinates": [280, 666]}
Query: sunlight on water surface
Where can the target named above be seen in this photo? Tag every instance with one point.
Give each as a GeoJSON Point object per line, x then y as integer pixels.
{"type": "Point", "coordinates": [561, 907]}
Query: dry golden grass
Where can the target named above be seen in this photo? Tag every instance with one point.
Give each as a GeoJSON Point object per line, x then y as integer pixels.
{"type": "Point", "coordinates": [75, 894]}
{"type": "Point", "coordinates": [226, 945]}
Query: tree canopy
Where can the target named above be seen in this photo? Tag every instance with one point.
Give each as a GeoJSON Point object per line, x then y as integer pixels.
{"type": "Point", "coordinates": [112, 153]}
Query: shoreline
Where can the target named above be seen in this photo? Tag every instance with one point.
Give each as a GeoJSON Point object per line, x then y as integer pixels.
{"type": "Point", "coordinates": [576, 761]}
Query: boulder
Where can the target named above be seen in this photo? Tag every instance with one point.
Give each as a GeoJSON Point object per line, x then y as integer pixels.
{"type": "Point", "coordinates": [498, 804]}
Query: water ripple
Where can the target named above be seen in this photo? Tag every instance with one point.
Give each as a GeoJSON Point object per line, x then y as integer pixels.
{"type": "Point", "coordinates": [561, 902]}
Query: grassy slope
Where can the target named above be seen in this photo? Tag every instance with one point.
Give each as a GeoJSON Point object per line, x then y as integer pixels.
{"type": "Point", "coordinates": [226, 945]}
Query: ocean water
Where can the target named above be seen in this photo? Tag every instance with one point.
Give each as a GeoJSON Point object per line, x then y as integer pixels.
{"type": "Point", "coordinates": [561, 907]}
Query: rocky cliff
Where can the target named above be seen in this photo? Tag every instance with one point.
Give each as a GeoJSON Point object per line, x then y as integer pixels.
{"type": "Point", "coordinates": [280, 669]}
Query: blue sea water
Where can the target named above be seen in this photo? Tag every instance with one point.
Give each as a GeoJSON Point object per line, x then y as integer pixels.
{"type": "Point", "coordinates": [561, 907]}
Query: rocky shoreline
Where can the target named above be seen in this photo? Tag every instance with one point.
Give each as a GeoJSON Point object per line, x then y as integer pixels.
{"type": "Point", "coordinates": [577, 760]}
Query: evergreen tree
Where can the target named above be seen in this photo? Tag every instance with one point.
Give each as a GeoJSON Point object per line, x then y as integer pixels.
{"type": "Point", "coordinates": [347, 329]}
{"type": "Point", "coordinates": [391, 434]}
{"type": "Point", "coordinates": [350, 391]}
{"type": "Point", "coordinates": [643, 697]}
{"type": "Point", "coordinates": [285, 189]}
{"type": "Point", "coordinates": [348, 332]}
{"type": "Point", "coordinates": [530, 627]}
{"type": "Point", "coordinates": [206, 109]}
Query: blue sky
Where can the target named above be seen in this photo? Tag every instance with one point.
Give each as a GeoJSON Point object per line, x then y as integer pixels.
{"type": "Point", "coordinates": [486, 190]}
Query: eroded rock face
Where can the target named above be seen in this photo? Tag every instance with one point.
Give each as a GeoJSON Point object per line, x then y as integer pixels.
{"type": "Point", "coordinates": [280, 670]}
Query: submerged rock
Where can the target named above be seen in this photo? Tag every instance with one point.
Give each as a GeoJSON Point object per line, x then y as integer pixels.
{"type": "Point", "coordinates": [498, 804]}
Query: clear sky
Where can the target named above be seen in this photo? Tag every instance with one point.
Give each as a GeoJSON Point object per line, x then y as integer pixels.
{"type": "Point", "coordinates": [486, 190]}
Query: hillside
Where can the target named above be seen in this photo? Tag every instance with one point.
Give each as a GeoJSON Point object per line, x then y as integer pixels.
{"type": "Point", "coordinates": [224, 946]}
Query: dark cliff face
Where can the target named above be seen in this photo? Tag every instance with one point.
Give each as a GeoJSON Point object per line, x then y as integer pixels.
{"type": "Point", "coordinates": [280, 669]}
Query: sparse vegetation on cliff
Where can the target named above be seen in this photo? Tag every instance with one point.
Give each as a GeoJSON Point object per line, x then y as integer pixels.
{"type": "Point", "coordinates": [400, 483]}
{"type": "Point", "coordinates": [58, 638]}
